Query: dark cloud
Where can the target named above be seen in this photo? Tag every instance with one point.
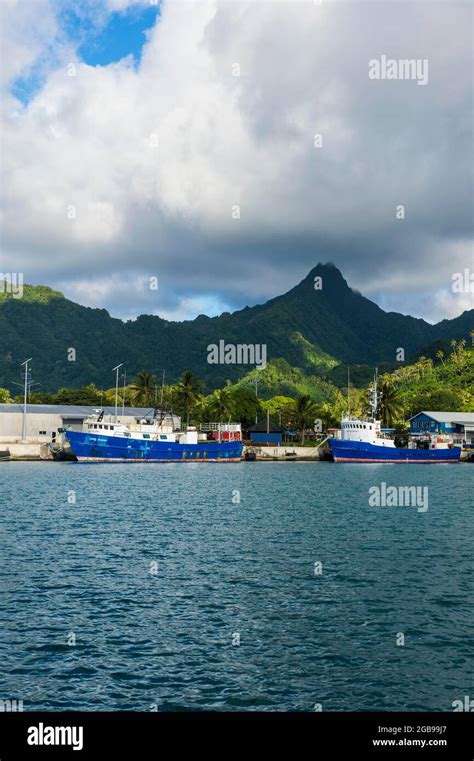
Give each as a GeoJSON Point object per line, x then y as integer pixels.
{"type": "Point", "coordinates": [248, 140]}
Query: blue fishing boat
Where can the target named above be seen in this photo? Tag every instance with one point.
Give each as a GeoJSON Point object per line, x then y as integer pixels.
{"type": "Point", "coordinates": [362, 440]}
{"type": "Point", "coordinates": [150, 441]}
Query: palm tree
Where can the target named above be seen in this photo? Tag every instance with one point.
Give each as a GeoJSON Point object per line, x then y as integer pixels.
{"type": "Point", "coordinates": [188, 392]}
{"type": "Point", "coordinates": [305, 413]}
{"type": "Point", "coordinates": [221, 405]}
{"type": "Point", "coordinates": [143, 389]}
{"type": "Point", "coordinates": [390, 406]}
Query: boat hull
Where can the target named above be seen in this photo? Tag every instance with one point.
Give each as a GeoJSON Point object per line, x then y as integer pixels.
{"type": "Point", "coordinates": [360, 451]}
{"type": "Point", "coordinates": [93, 448]}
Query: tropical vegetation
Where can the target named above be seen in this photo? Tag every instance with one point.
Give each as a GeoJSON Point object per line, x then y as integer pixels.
{"type": "Point", "coordinates": [291, 399]}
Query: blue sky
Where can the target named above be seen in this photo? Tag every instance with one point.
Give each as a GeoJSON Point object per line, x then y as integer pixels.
{"type": "Point", "coordinates": [99, 36]}
{"type": "Point", "coordinates": [123, 34]}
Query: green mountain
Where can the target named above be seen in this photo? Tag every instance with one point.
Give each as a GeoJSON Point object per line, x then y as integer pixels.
{"type": "Point", "coordinates": [279, 378]}
{"type": "Point", "coordinates": [311, 329]}
{"type": "Point", "coordinates": [39, 294]}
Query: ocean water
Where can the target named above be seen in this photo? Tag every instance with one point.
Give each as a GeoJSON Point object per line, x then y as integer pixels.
{"type": "Point", "coordinates": [252, 586]}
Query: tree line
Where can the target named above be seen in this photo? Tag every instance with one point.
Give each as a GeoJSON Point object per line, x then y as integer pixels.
{"type": "Point", "coordinates": [444, 383]}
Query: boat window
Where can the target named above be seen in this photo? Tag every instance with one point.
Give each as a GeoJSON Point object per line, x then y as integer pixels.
{"type": "Point", "coordinates": [162, 436]}
{"type": "Point", "coordinates": [146, 435]}
{"type": "Point", "coordinates": [106, 426]}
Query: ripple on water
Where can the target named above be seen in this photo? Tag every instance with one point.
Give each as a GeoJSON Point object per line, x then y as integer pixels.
{"type": "Point", "coordinates": [232, 615]}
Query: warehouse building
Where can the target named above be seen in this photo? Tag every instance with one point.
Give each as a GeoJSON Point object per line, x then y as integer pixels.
{"type": "Point", "coordinates": [459, 425]}
{"type": "Point", "coordinates": [44, 420]}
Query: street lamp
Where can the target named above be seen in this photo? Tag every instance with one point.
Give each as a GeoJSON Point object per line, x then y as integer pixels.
{"type": "Point", "coordinates": [124, 386]}
{"type": "Point", "coordinates": [256, 394]}
{"type": "Point", "coordinates": [116, 386]}
{"type": "Point", "coordinates": [25, 363]}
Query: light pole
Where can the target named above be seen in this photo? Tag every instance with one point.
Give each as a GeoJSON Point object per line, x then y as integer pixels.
{"type": "Point", "coordinates": [162, 389]}
{"type": "Point", "coordinates": [116, 386]}
{"type": "Point", "coordinates": [256, 394]}
{"type": "Point", "coordinates": [123, 398]}
{"type": "Point", "coordinates": [25, 398]}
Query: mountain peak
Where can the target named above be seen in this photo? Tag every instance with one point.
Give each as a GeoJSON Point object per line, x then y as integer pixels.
{"type": "Point", "coordinates": [307, 327]}
{"type": "Point", "coordinates": [332, 280]}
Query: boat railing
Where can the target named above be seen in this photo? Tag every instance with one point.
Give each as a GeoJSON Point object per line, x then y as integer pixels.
{"type": "Point", "coordinates": [219, 427]}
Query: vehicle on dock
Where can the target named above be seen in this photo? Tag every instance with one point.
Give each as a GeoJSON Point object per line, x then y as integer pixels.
{"type": "Point", "coordinates": [362, 440]}
{"type": "Point", "coordinates": [151, 440]}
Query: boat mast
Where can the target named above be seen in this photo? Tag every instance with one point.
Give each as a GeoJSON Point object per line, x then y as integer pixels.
{"type": "Point", "coordinates": [373, 396]}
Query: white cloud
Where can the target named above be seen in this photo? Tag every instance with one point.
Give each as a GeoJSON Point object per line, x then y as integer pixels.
{"type": "Point", "coordinates": [88, 142]}
{"type": "Point", "coordinates": [26, 30]}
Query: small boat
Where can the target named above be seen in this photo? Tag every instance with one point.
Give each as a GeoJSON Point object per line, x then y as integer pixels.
{"type": "Point", "coordinates": [250, 455]}
{"type": "Point", "coordinates": [362, 440]}
{"type": "Point", "coordinates": [4, 455]}
{"type": "Point", "coordinates": [152, 441]}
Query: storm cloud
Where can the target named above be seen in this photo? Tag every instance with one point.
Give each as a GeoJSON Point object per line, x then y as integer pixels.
{"type": "Point", "coordinates": [248, 144]}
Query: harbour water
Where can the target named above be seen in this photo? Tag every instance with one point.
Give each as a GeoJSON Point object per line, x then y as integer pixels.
{"type": "Point", "coordinates": [252, 586]}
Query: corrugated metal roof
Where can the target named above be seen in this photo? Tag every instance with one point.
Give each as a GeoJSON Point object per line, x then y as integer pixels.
{"type": "Point", "coordinates": [65, 409]}
{"type": "Point", "coordinates": [448, 417]}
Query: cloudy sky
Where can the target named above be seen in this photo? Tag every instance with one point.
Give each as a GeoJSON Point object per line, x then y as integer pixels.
{"type": "Point", "coordinates": [131, 130]}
